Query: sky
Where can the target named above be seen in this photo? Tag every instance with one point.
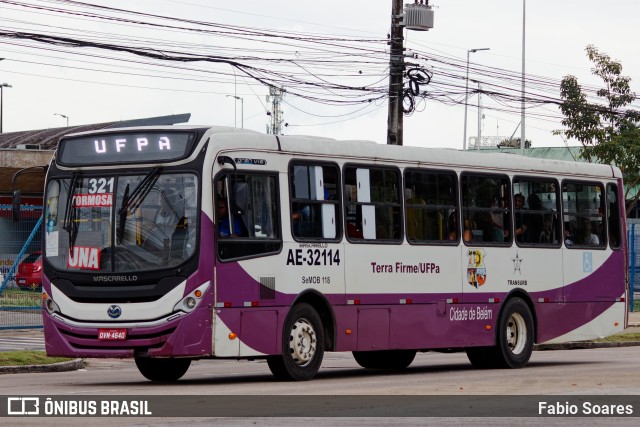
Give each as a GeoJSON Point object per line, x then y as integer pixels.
{"type": "Point", "coordinates": [50, 81]}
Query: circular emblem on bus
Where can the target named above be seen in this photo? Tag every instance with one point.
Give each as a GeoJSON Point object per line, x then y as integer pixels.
{"type": "Point", "coordinates": [114, 311]}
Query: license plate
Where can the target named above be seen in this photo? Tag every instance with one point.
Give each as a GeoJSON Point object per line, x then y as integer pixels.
{"type": "Point", "coordinates": [22, 281]}
{"type": "Point", "coordinates": [112, 334]}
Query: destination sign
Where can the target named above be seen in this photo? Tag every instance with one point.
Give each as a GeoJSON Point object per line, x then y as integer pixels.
{"type": "Point", "coordinates": [125, 148]}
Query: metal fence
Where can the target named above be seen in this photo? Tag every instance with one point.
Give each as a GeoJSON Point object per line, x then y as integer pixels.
{"type": "Point", "coordinates": [19, 308]}
{"type": "Point", "coordinates": [633, 237]}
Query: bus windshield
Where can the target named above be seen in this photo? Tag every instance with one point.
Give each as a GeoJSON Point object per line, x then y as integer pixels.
{"type": "Point", "coordinates": [121, 223]}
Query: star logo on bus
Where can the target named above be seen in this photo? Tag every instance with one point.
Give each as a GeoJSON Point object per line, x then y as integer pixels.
{"type": "Point", "coordinates": [517, 262]}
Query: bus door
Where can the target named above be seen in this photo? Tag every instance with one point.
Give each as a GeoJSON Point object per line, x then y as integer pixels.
{"type": "Point", "coordinates": [248, 247]}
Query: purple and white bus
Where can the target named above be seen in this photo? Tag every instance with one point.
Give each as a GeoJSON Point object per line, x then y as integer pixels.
{"type": "Point", "coordinates": [172, 244]}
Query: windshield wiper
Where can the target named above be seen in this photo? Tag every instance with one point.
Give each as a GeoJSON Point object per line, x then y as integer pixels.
{"type": "Point", "coordinates": [133, 201]}
{"type": "Point", "coordinates": [69, 223]}
{"type": "Point", "coordinates": [69, 206]}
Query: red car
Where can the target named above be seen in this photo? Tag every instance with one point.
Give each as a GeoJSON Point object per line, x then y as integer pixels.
{"type": "Point", "coordinates": [29, 274]}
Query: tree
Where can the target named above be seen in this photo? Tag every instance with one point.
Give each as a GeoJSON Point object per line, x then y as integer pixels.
{"type": "Point", "coordinates": [606, 128]}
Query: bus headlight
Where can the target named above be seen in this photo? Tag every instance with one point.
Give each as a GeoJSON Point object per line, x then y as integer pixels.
{"type": "Point", "coordinates": [51, 306]}
{"type": "Point", "coordinates": [191, 301]}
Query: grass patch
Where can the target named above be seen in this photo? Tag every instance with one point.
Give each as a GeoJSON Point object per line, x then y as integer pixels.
{"type": "Point", "coordinates": [621, 337]}
{"type": "Point", "coordinates": [20, 298]}
{"type": "Point", "coordinates": [28, 357]}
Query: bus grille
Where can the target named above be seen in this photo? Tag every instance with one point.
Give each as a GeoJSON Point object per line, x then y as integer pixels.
{"type": "Point", "coordinates": [90, 341]}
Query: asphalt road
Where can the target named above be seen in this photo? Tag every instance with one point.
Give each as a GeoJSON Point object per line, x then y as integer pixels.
{"type": "Point", "coordinates": [605, 371]}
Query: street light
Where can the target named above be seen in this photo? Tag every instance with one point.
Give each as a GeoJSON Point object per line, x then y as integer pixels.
{"type": "Point", "coordinates": [63, 116]}
{"type": "Point", "coordinates": [241, 110]}
{"type": "Point", "coordinates": [466, 95]}
{"type": "Point", "coordinates": [3, 85]}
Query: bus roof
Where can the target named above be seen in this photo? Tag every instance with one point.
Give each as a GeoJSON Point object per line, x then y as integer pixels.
{"type": "Point", "coordinates": [359, 150]}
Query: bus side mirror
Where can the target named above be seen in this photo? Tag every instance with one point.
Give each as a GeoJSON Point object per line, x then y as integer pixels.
{"type": "Point", "coordinates": [15, 205]}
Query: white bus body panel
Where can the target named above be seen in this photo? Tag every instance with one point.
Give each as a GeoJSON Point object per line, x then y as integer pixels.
{"type": "Point", "coordinates": [131, 312]}
{"type": "Point", "coordinates": [608, 323]}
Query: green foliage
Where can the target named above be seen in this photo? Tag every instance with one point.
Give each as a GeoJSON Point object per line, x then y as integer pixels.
{"type": "Point", "coordinates": [621, 337]}
{"type": "Point", "coordinates": [606, 129]}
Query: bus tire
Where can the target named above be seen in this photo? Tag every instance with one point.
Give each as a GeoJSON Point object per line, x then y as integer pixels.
{"type": "Point", "coordinates": [165, 370]}
{"type": "Point", "coordinates": [515, 334]}
{"type": "Point", "coordinates": [385, 359]}
{"type": "Point", "coordinates": [514, 341]}
{"type": "Point", "coordinates": [482, 357]}
{"type": "Point", "coordinates": [302, 346]}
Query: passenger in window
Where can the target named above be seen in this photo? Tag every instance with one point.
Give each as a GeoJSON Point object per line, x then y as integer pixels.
{"type": "Point", "coordinates": [302, 226]}
{"type": "Point", "coordinates": [546, 235]}
{"type": "Point", "coordinates": [353, 231]}
{"type": "Point", "coordinates": [520, 227]}
{"type": "Point", "coordinates": [467, 234]}
{"type": "Point", "coordinates": [453, 226]}
{"type": "Point", "coordinates": [568, 234]}
{"type": "Point", "coordinates": [534, 220]}
{"type": "Point", "coordinates": [303, 214]}
{"type": "Point", "coordinates": [224, 227]}
{"type": "Point", "coordinates": [589, 237]}
{"type": "Point", "coordinates": [307, 219]}
{"type": "Point", "coordinates": [497, 220]}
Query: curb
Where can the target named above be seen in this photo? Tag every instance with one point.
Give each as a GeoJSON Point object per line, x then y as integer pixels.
{"type": "Point", "coordinates": [72, 365]}
{"type": "Point", "coordinates": [581, 345]}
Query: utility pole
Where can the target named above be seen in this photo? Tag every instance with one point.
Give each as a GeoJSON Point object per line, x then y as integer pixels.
{"type": "Point", "coordinates": [417, 16]}
{"type": "Point", "coordinates": [479, 140]}
{"type": "Point", "coordinates": [275, 99]}
{"type": "Point", "coordinates": [396, 71]}
{"type": "Point", "coordinates": [466, 96]}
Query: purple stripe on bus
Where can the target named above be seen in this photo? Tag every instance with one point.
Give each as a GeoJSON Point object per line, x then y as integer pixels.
{"type": "Point", "coordinates": [586, 299]}
{"type": "Point", "coordinates": [187, 336]}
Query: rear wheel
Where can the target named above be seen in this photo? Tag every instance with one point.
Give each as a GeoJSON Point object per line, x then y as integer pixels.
{"type": "Point", "coordinates": [514, 339]}
{"type": "Point", "coordinates": [166, 370]}
{"type": "Point", "coordinates": [384, 359]}
{"type": "Point", "coordinates": [515, 334]}
{"type": "Point", "coordinates": [303, 346]}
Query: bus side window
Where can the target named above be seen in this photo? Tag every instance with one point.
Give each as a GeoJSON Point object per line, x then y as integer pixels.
{"type": "Point", "coordinates": [538, 210]}
{"type": "Point", "coordinates": [613, 215]}
{"type": "Point", "coordinates": [372, 203]}
{"type": "Point", "coordinates": [254, 201]}
{"type": "Point", "coordinates": [485, 208]}
{"type": "Point", "coordinates": [315, 204]}
{"type": "Point", "coordinates": [584, 209]}
{"type": "Point", "coordinates": [431, 203]}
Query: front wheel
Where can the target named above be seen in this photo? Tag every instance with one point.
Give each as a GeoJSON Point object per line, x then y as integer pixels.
{"type": "Point", "coordinates": [303, 346]}
{"type": "Point", "coordinates": [165, 370]}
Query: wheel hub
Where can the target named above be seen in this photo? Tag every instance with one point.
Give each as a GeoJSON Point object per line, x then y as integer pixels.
{"type": "Point", "coordinates": [516, 333]}
{"type": "Point", "coordinates": [302, 342]}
